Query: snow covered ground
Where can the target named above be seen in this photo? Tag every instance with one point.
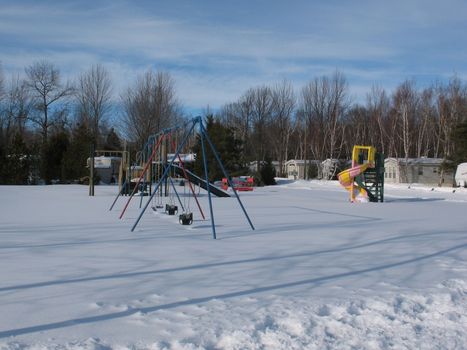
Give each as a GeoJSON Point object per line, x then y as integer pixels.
{"type": "Point", "coordinates": [318, 272]}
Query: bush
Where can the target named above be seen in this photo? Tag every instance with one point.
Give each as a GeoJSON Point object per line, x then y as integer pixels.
{"type": "Point", "coordinates": [267, 173]}
{"type": "Point", "coordinates": [313, 171]}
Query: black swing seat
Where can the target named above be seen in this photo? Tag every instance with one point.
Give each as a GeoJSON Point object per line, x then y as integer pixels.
{"type": "Point", "coordinates": [185, 218]}
{"type": "Point", "coordinates": [171, 209]}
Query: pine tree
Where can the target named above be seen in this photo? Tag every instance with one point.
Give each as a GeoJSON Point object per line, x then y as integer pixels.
{"type": "Point", "coordinates": [228, 147]}
{"type": "Point", "coordinates": [112, 142]}
{"type": "Point", "coordinates": [2, 164]}
{"type": "Point", "coordinates": [267, 173]}
{"type": "Point", "coordinates": [74, 164]}
{"type": "Point", "coordinates": [17, 162]}
{"type": "Point", "coordinates": [54, 155]}
{"type": "Point", "coordinates": [460, 141]}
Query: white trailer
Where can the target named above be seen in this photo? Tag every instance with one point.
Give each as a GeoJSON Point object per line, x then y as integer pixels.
{"type": "Point", "coordinates": [461, 175]}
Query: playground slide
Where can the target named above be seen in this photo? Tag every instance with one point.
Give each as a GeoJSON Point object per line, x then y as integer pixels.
{"type": "Point", "coordinates": [347, 180]}
{"type": "Point", "coordinates": [200, 182]}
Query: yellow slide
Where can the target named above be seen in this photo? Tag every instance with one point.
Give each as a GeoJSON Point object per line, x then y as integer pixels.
{"type": "Point", "coordinates": [360, 154]}
{"type": "Point", "coordinates": [347, 180]}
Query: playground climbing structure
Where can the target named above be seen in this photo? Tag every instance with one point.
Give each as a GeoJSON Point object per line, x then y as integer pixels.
{"type": "Point", "coordinates": [365, 179]}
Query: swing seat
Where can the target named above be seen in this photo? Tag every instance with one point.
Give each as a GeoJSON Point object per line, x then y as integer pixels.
{"type": "Point", "coordinates": [185, 218]}
{"type": "Point", "coordinates": [171, 209]}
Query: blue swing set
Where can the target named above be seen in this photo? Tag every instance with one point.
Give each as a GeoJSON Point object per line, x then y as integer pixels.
{"type": "Point", "coordinates": [152, 146]}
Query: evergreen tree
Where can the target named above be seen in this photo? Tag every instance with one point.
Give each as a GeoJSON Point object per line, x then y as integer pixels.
{"type": "Point", "coordinates": [459, 139]}
{"type": "Point", "coordinates": [2, 164]}
{"type": "Point", "coordinates": [112, 142]}
{"type": "Point", "coordinates": [267, 173]}
{"type": "Point", "coordinates": [228, 147]}
{"type": "Point", "coordinates": [460, 143]}
{"type": "Point", "coordinates": [54, 155]}
{"type": "Point", "coordinates": [313, 171]}
{"type": "Point", "coordinates": [17, 162]}
{"type": "Point", "coordinates": [77, 153]}
{"type": "Point", "coordinates": [36, 162]}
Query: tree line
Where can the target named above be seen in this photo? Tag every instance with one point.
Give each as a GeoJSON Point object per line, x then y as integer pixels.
{"type": "Point", "coordinates": [320, 121]}
{"type": "Point", "coordinates": [48, 126]}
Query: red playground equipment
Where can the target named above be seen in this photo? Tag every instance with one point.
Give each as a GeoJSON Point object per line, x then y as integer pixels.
{"type": "Point", "coordinates": [242, 183]}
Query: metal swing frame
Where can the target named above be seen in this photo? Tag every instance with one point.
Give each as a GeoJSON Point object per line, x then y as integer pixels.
{"type": "Point", "coordinates": [204, 138]}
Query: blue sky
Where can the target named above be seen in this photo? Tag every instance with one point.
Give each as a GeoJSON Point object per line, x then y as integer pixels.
{"type": "Point", "coordinates": [216, 50]}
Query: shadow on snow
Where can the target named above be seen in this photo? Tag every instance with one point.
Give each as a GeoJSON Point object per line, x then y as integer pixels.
{"type": "Point", "coordinates": [132, 311]}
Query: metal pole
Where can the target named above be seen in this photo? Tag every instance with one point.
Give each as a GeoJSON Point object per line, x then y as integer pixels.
{"type": "Point", "coordinates": [163, 176]}
{"type": "Point", "coordinates": [145, 158]}
{"type": "Point", "coordinates": [118, 195]}
{"type": "Point", "coordinates": [165, 157]}
{"type": "Point", "coordinates": [129, 172]}
{"type": "Point", "coordinates": [176, 192]}
{"type": "Point", "coordinates": [182, 166]}
{"type": "Point", "coordinates": [141, 176]}
{"type": "Point", "coordinates": [128, 178]}
{"type": "Point", "coordinates": [203, 132]}
{"type": "Point", "coordinates": [206, 175]}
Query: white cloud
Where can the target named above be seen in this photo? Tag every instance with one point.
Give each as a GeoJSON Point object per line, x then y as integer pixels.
{"type": "Point", "coordinates": [214, 61]}
{"type": "Point", "coordinates": [158, 38]}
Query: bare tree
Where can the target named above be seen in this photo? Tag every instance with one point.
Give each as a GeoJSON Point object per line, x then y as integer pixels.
{"type": "Point", "coordinates": [17, 106]}
{"type": "Point", "coordinates": [246, 116]}
{"type": "Point", "coordinates": [261, 115]}
{"type": "Point", "coordinates": [43, 80]}
{"type": "Point", "coordinates": [338, 106]}
{"type": "Point", "coordinates": [2, 82]}
{"type": "Point", "coordinates": [423, 123]}
{"type": "Point", "coordinates": [312, 106]}
{"type": "Point", "coordinates": [93, 94]}
{"type": "Point", "coordinates": [245, 122]}
{"type": "Point", "coordinates": [451, 108]}
{"type": "Point", "coordinates": [231, 115]}
{"type": "Point", "coordinates": [378, 106]}
{"type": "Point", "coordinates": [2, 117]}
{"type": "Point", "coordinates": [149, 106]}
{"type": "Point", "coordinates": [283, 105]}
{"type": "Point", "coordinates": [405, 100]}
{"type": "Point", "coordinates": [324, 103]}
{"type": "Point", "coordinates": [298, 138]}
{"type": "Point", "coordinates": [358, 129]}
{"type": "Point", "coordinates": [405, 104]}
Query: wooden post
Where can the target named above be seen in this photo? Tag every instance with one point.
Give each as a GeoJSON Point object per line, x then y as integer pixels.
{"type": "Point", "coordinates": [91, 172]}
{"type": "Point", "coordinates": [305, 155]}
{"type": "Point", "coordinates": [165, 151]}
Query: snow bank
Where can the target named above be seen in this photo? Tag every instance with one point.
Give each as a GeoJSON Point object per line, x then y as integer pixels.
{"type": "Point", "coordinates": [401, 321]}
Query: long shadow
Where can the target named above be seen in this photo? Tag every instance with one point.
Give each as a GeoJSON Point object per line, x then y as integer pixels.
{"type": "Point", "coordinates": [216, 264]}
{"type": "Point", "coordinates": [294, 227]}
{"type": "Point", "coordinates": [154, 236]}
{"type": "Point", "coordinates": [412, 200]}
{"type": "Point", "coordinates": [256, 232]}
{"type": "Point", "coordinates": [132, 311]}
{"type": "Point", "coordinates": [284, 181]}
{"type": "Point", "coordinates": [367, 218]}
{"type": "Point", "coordinates": [61, 244]}
{"type": "Point", "coordinates": [349, 223]}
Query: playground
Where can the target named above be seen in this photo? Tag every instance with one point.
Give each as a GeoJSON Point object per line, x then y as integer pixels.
{"type": "Point", "coordinates": [317, 271]}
